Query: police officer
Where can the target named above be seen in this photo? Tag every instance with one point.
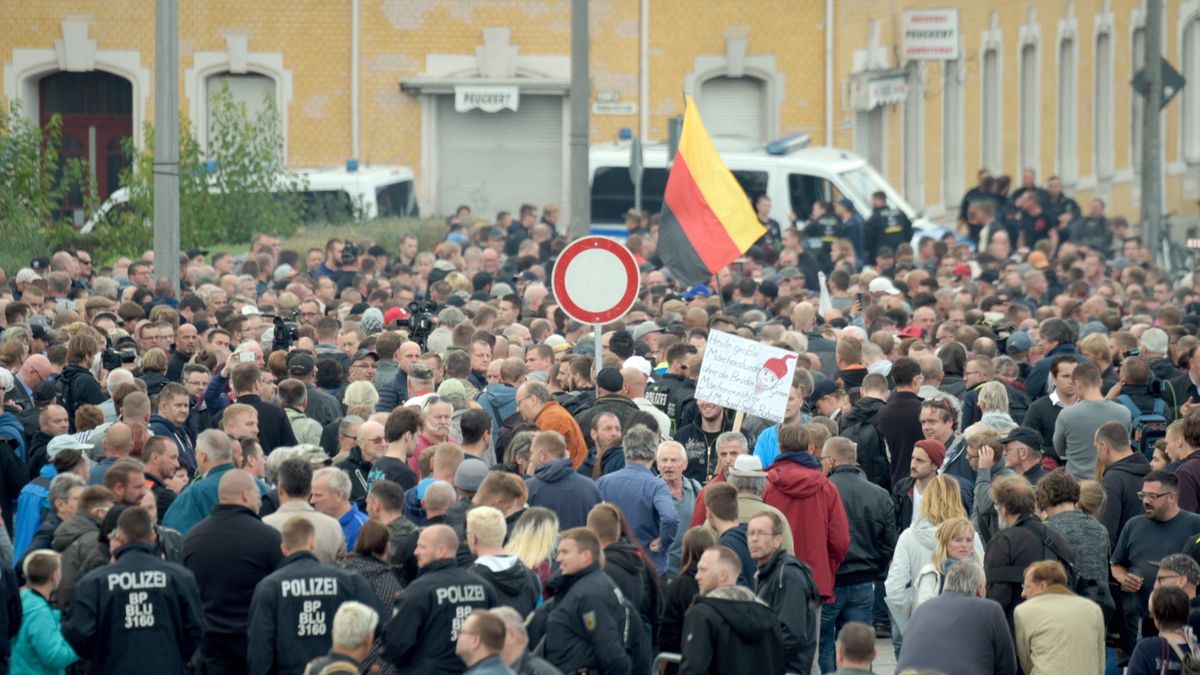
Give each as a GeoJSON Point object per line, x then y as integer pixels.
{"type": "Point", "coordinates": [139, 614]}
{"type": "Point", "coordinates": [887, 226]}
{"type": "Point", "coordinates": [422, 635]}
{"type": "Point", "coordinates": [824, 226]}
{"type": "Point", "coordinates": [292, 611]}
{"type": "Point", "coordinates": [583, 625]}
{"type": "Point", "coordinates": [673, 393]}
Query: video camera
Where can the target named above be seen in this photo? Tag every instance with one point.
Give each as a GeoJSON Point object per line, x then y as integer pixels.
{"type": "Point", "coordinates": [350, 253]}
{"type": "Point", "coordinates": [286, 332]}
{"type": "Point", "coordinates": [419, 323]}
{"type": "Point", "coordinates": [112, 358]}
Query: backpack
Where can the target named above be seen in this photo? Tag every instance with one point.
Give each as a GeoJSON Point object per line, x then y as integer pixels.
{"type": "Point", "coordinates": [636, 636]}
{"type": "Point", "coordinates": [1146, 427]}
{"type": "Point", "coordinates": [1082, 586]}
{"type": "Point", "coordinates": [1191, 663]}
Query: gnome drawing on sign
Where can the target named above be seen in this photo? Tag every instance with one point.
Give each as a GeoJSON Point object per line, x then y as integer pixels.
{"type": "Point", "coordinates": [772, 372]}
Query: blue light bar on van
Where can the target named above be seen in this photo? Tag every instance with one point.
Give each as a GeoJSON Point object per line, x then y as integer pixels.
{"type": "Point", "coordinates": [352, 165]}
{"type": "Point", "coordinates": [625, 133]}
{"type": "Point", "coordinates": [789, 144]}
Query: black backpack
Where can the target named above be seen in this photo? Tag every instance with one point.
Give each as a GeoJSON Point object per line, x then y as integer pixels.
{"type": "Point", "coordinates": [636, 636]}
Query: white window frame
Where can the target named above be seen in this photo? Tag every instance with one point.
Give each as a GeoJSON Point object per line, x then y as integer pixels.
{"type": "Point", "coordinates": [1189, 105]}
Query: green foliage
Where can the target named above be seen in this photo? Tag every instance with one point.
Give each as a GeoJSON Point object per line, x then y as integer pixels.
{"type": "Point", "coordinates": [247, 190]}
{"type": "Point", "coordinates": [34, 182]}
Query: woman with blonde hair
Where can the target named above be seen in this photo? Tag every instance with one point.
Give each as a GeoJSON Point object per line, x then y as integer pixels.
{"type": "Point", "coordinates": [941, 502]}
{"type": "Point", "coordinates": [1091, 497]}
{"type": "Point", "coordinates": [360, 394]}
{"type": "Point", "coordinates": [993, 403]}
{"type": "Point", "coordinates": [955, 543]}
{"type": "Point", "coordinates": [534, 540]}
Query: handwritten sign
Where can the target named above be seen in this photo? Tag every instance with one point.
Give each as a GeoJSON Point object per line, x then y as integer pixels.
{"type": "Point", "coordinates": [745, 375]}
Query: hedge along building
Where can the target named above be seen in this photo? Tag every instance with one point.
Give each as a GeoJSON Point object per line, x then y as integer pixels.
{"type": "Point", "coordinates": [473, 95]}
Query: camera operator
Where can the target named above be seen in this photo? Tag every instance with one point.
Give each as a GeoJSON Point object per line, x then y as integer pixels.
{"type": "Point", "coordinates": [349, 266]}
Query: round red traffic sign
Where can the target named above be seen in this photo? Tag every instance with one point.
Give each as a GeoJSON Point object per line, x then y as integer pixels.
{"type": "Point", "coordinates": [596, 280]}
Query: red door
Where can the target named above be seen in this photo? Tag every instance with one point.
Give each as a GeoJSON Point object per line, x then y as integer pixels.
{"type": "Point", "coordinates": [97, 112]}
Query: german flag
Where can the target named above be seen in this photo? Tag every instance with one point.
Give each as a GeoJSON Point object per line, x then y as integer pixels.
{"type": "Point", "coordinates": [707, 220]}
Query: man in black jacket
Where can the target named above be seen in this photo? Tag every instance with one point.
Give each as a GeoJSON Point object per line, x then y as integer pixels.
{"type": "Point", "coordinates": [872, 519]}
{"type": "Point", "coordinates": [274, 429]}
{"type": "Point", "coordinates": [728, 629]}
{"type": "Point", "coordinates": [291, 609]}
{"type": "Point", "coordinates": [673, 393]}
{"type": "Point", "coordinates": [139, 614]}
{"type": "Point", "coordinates": [420, 638]}
{"type": "Point", "coordinates": [78, 385]}
{"type": "Point", "coordinates": [786, 585]}
{"type": "Point", "coordinates": [230, 552]}
{"type": "Point", "coordinates": [584, 624]}
{"type": "Point", "coordinates": [887, 226]}
{"type": "Point", "coordinates": [1122, 479]}
{"type": "Point", "coordinates": [515, 584]}
{"type": "Point", "coordinates": [859, 426]}
{"type": "Point", "coordinates": [900, 418]}
{"type": "Point", "coordinates": [609, 383]}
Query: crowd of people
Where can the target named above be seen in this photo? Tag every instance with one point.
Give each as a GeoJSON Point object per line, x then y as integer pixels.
{"type": "Point", "coordinates": [359, 459]}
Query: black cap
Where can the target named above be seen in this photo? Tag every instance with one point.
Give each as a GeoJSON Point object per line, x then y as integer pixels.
{"type": "Point", "coordinates": [364, 354]}
{"type": "Point", "coordinates": [1026, 436]}
{"type": "Point", "coordinates": [194, 252]}
{"type": "Point", "coordinates": [301, 363]}
{"type": "Point", "coordinates": [44, 392]}
{"type": "Point", "coordinates": [481, 279]}
{"type": "Point", "coordinates": [376, 250]}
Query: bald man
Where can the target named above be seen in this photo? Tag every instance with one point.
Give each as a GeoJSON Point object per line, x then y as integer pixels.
{"type": "Point", "coordinates": [434, 607]}
{"type": "Point", "coordinates": [230, 551]}
{"type": "Point", "coordinates": [117, 443]}
{"type": "Point", "coordinates": [35, 370]}
{"type": "Point", "coordinates": [635, 390]}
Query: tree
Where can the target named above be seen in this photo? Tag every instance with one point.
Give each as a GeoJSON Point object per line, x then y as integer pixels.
{"type": "Point", "coordinates": [34, 183]}
{"type": "Point", "coordinates": [237, 186]}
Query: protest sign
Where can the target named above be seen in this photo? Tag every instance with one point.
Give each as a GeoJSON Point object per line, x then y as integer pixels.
{"type": "Point", "coordinates": [746, 376]}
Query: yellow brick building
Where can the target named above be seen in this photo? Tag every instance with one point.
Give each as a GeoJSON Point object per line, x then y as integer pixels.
{"type": "Point", "coordinates": [432, 84]}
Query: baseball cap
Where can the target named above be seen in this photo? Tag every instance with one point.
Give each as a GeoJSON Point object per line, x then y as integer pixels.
{"type": "Point", "coordinates": [26, 275]}
{"type": "Point", "coordinates": [748, 466]}
{"type": "Point", "coordinates": [250, 310]}
{"type": "Point", "coordinates": [789, 272]}
{"type": "Point", "coordinates": [301, 363]}
{"type": "Point", "coordinates": [1018, 343]}
{"type": "Point", "coordinates": [65, 442]}
{"type": "Point", "coordinates": [501, 289]}
{"type": "Point", "coordinates": [420, 371]}
{"type": "Point", "coordinates": [962, 270]}
{"type": "Point", "coordinates": [697, 291]}
{"type": "Point", "coordinates": [645, 328]}
{"type": "Point", "coordinates": [6, 379]}
{"type": "Point", "coordinates": [1181, 564]}
{"type": "Point", "coordinates": [364, 354]}
{"type": "Point", "coordinates": [1038, 260]}
{"type": "Point", "coordinates": [640, 363]}
{"type": "Point", "coordinates": [194, 252]}
{"type": "Point", "coordinates": [314, 454]}
{"type": "Point", "coordinates": [1024, 435]}
{"type": "Point", "coordinates": [883, 285]}
{"type": "Point", "coordinates": [395, 314]}
{"type": "Point", "coordinates": [453, 389]}
{"type": "Point", "coordinates": [470, 473]}
{"type": "Point", "coordinates": [821, 390]}
{"type": "Point", "coordinates": [284, 272]}
{"type": "Point", "coordinates": [911, 332]}
{"type": "Point", "coordinates": [610, 379]}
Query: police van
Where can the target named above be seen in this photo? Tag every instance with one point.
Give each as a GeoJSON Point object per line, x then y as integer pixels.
{"type": "Point", "coordinates": [790, 171]}
{"type": "Point", "coordinates": [329, 195]}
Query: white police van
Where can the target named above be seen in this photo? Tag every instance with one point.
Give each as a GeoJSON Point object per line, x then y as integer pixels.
{"type": "Point", "coordinates": [332, 195]}
{"type": "Point", "coordinates": [790, 171]}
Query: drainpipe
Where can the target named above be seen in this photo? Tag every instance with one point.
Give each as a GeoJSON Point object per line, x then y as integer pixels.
{"type": "Point", "coordinates": [829, 73]}
{"type": "Point", "coordinates": [644, 71]}
{"type": "Point", "coordinates": [354, 79]}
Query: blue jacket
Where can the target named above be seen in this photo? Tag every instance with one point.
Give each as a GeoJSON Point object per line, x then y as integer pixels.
{"type": "Point", "coordinates": [646, 502]}
{"type": "Point", "coordinates": [196, 501]}
{"type": "Point", "coordinates": [1036, 385]}
{"type": "Point", "coordinates": [161, 426]}
{"type": "Point", "coordinates": [31, 508]}
{"type": "Point", "coordinates": [12, 429]}
{"type": "Point", "coordinates": [351, 522]}
{"type": "Point", "coordinates": [557, 487]}
{"type": "Point", "coordinates": [40, 648]}
{"type": "Point", "coordinates": [499, 401]}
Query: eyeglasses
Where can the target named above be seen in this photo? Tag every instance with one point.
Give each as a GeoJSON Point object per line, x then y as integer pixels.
{"type": "Point", "coordinates": [1152, 496]}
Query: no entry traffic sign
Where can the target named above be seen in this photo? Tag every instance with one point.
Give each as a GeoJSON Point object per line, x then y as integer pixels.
{"type": "Point", "coordinates": [596, 280]}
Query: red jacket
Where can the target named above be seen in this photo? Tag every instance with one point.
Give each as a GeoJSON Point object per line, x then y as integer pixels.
{"type": "Point", "coordinates": [797, 487]}
{"type": "Point", "coordinates": [699, 511]}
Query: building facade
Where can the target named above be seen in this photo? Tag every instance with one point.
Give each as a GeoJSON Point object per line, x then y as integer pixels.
{"type": "Point", "coordinates": [473, 94]}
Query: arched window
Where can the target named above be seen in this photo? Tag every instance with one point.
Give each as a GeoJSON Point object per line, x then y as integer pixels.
{"type": "Point", "coordinates": [1029, 119]}
{"type": "Point", "coordinates": [993, 135]}
{"type": "Point", "coordinates": [253, 90]}
{"type": "Point", "coordinates": [1102, 129]}
{"type": "Point", "coordinates": [734, 107]}
{"type": "Point", "coordinates": [1068, 111]}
